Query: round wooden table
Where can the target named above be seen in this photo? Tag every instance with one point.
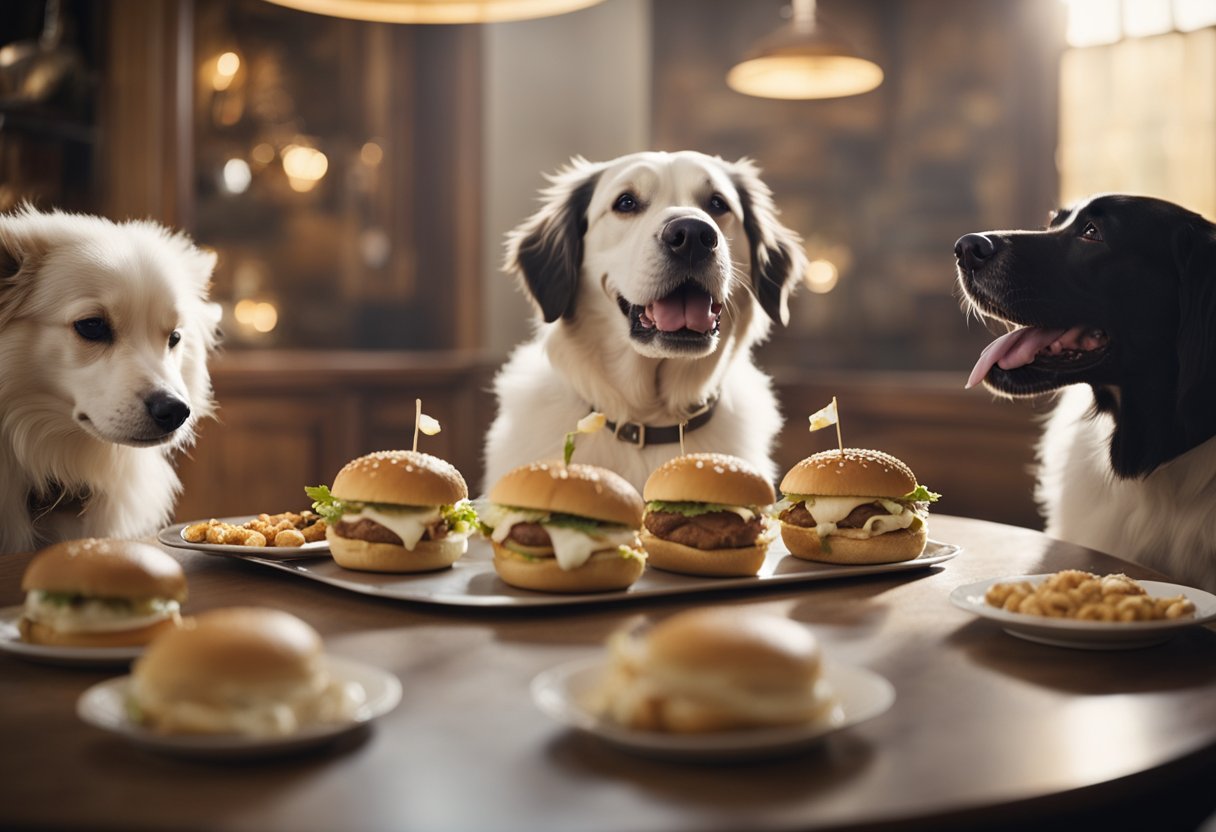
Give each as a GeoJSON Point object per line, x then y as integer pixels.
{"type": "Point", "coordinates": [987, 731]}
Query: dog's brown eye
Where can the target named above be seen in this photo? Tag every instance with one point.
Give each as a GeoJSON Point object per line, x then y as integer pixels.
{"type": "Point", "coordinates": [94, 329]}
{"type": "Point", "coordinates": [174, 338]}
{"type": "Point", "coordinates": [626, 203]}
{"type": "Point", "coordinates": [1091, 232]}
{"type": "Point", "coordinates": [717, 204]}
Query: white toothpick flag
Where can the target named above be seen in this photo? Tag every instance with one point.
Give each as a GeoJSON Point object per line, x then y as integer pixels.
{"type": "Point", "coordinates": [825, 417]}
{"type": "Point", "coordinates": [423, 423]}
{"type": "Point", "coordinates": [682, 424]}
{"type": "Point", "coordinates": [590, 423]}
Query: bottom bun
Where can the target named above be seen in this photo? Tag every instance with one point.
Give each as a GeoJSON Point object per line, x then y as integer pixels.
{"type": "Point", "coordinates": [35, 632]}
{"type": "Point", "coordinates": [603, 572]}
{"type": "Point", "coordinates": [891, 547]}
{"type": "Point", "coordinates": [363, 556]}
{"type": "Point", "coordinates": [688, 560]}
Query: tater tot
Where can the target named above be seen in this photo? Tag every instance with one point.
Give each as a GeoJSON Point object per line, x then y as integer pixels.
{"type": "Point", "coordinates": [289, 537]}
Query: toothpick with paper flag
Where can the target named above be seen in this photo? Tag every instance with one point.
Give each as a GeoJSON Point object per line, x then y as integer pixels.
{"type": "Point", "coordinates": [825, 417]}
{"type": "Point", "coordinates": [423, 423]}
{"type": "Point", "coordinates": [590, 423]}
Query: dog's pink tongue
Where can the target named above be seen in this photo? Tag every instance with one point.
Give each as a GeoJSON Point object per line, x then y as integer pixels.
{"type": "Point", "coordinates": [1012, 350]}
{"type": "Point", "coordinates": [687, 307]}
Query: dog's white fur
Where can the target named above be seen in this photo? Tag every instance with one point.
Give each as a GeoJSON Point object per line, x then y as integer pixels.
{"type": "Point", "coordinates": [1166, 520]}
{"type": "Point", "coordinates": [73, 417]}
{"type": "Point", "coordinates": [587, 359]}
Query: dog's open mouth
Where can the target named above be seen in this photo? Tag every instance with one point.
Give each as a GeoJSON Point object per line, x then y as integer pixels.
{"type": "Point", "coordinates": [1034, 359]}
{"type": "Point", "coordinates": [688, 316]}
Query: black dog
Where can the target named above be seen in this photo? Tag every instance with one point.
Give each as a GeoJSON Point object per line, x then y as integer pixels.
{"type": "Point", "coordinates": [1117, 293]}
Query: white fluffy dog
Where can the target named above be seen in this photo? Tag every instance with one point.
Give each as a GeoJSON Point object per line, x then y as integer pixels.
{"type": "Point", "coordinates": [105, 330]}
{"type": "Point", "coordinates": [655, 275]}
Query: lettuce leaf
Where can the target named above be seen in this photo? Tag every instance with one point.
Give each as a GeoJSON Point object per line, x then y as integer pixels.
{"type": "Point", "coordinates": [921, 495]}
{"type": "Point", "coordinates": [326, 504]}
{"type": "Point", "coordinates": [461, 517]}
{"type": "Point", "coordinates": [581, 524]}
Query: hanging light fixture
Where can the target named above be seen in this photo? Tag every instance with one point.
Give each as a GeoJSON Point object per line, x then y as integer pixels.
{"type": "Point", "coordinates": [803, 60]}
{"type": "Point", "coordinates": [437, 11]}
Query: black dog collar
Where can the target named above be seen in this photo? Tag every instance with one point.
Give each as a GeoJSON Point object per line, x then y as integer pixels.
{"type": "Point", "coordinates": [641, 435]}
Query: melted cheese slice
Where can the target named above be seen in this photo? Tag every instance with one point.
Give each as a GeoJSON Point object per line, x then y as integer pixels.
{"type": "Point", "coordinates": [828, 511]}
{"type": "Point", "coordinates": [571, 547]}
{"type": "Point", "coordinates": [409, 524]}
{"type": "Point", "coordinates": [96, 616]}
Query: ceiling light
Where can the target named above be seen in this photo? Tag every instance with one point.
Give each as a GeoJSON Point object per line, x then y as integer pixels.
{"type": "Point", "coordinates": [437, 11]}
{"type": "Point", "coordinates": [803, 60]}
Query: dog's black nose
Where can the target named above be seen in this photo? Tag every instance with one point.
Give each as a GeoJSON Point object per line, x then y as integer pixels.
{"type": "Point", "coordinates": [972, 250]}
{"type": "Point", "coordinates": [167, 411]}
{"type": "Point", "coordinates": [690, 239]}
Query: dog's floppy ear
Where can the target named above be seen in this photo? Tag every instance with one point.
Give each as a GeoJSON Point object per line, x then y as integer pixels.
{"type": "Point", "coordinates": [778, 259]}
{"type": "Point", "coordinates": [20, 251]}
{"type": "Point", "coordinates": [546, 250]}
{"type": "Point", "coordinates": [1195, 255]}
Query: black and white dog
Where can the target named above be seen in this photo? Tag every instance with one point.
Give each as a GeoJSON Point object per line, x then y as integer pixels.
{"type": "Point", "coordinates": [654, 276]}
{"type": "Point", "coordinates": [1116, 301]}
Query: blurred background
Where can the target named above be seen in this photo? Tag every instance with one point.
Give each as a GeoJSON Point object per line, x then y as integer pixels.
{"type": "Point", "coordinates": [356, 179]}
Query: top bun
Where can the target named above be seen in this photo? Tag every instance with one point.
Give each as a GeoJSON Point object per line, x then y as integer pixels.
{"type": "Point", "coordinates": [744, 649]}
{"type": "Point", "coordinates": [400, 478]}
{"type": "Point", "coordinates": [585, 490]}
{"type": "Point", "coordinates": [855, 473]}
{"type": "Point", "coordinates": [709, 478]}
{"type": "Point", "coordinates": [228, 656]}
{"type": "Point", "coordinates": [104, 568]}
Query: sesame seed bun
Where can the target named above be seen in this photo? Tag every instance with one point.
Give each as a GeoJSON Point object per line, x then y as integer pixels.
{"type": "Point", "coordinates": [855, 473]}
{"type": "Point", "coordinates": [604, 571]}
{"type": "Point", "coordinates": [365, 556]}
{"type": "Point", "coordinates": [738, 562]}
{"type": "Point", "coordinates": [400, 478]}
{"type": "Point", "coordinates": [103, 568]}
{"type": "Point", "coordinates": [709, 478]}
{"type": "Point", "coordinates": [582, 490]}
{"type": "Point", "coordinates": [717, 669]}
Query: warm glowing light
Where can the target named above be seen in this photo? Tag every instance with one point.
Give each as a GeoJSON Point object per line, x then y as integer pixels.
{"type": "Point", "coordinates": [265, 317]}
{"type": "Point", "coordinates": [226, 67]}
{"type": "Point", "coordinates": [821, 276]}
{"type": "Point", "coordinates": [804, 76]}
{"type": "Point", "coordinates": [304, 166]}
{"type": "Point", "coordinates": [244, 311]}
{"type": "Point", "coordinates": [262, 153]}
{"type": "Point", "coordinates": [437, 11]}
{"type": "Point", "coordinates": [371, 154]}
{"type": "Point", "coordinates": [237, 176]}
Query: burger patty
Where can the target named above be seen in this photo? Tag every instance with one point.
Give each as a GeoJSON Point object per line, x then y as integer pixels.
{"type": "Point", "coordinates": [372, 532]}
{"type": "Point", "coordinates": [530, 534]}
{"type": "Point", "coordinates": [799, 515]}
{"type": "Point", "coordinates": [714, 530]}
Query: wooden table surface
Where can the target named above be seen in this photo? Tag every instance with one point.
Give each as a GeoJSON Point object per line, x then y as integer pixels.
{"type": "Point", "coordinates": [987, 731]}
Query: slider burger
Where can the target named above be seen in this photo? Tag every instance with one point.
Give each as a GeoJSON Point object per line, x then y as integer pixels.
{"type": "Point", "coordinates": [396, 511]}
{"type": "Point", "coordinates": [716, 669]}
{"type": "Point", "coordinates": [853, 506]}
{"type": "Point", "coordinates": [101, 593]}
{"type": "Point", "coordinates": [565, 528]}
{"type": "Point", "coordinates": [703, 516]}
{"type": "Point", "coordinates": [239, 670]}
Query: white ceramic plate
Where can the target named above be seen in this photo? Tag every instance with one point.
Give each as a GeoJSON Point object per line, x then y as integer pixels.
{"type": "Point", "coordinates": [104, 706]}
{"type": "Point", "coordinates": [1088, 635]}
{"type": "Point", "coordinates": [564, 691]}
{"type": "Point", "coordinates": [11, 642]}
{"type": "Point", "coordinates": [172, 536]}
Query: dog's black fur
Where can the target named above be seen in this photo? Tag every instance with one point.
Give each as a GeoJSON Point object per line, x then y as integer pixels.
{"type": "Point", "coordinates": [1140, 270]}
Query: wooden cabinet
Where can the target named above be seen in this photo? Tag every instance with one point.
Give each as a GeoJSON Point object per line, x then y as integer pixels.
{"type": "Point", "coordinates": [291, 419]}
